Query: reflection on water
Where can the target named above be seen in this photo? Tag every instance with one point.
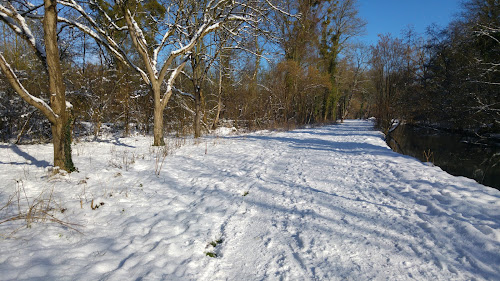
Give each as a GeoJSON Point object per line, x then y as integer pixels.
{"type": "Point", "coordinates": [456, 154]}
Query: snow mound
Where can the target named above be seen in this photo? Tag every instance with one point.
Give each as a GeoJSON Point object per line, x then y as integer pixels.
{"type": "Point", "coordinates": [225, 131]}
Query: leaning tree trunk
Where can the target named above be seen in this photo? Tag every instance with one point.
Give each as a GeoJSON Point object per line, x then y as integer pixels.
{"type": "Point", "coordinates": [61, 126]}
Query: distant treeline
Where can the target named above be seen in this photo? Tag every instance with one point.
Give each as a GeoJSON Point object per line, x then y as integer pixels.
{"type": "Point", "coordinates": [310, 71]}
{"type": "Point", "coordinates": [449, 79]}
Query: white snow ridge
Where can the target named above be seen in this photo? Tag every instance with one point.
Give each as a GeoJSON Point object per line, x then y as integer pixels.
{"type": "Point", "coordinates": [327, 203]}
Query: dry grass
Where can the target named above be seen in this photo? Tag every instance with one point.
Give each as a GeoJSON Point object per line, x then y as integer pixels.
{"type": "Point", "coordinates": [19, 211]}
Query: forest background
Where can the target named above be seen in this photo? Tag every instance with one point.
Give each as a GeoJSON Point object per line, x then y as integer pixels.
{"type": "Point", "coordinates": [186, 67]}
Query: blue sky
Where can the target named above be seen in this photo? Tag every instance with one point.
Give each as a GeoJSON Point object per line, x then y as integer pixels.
{"type": "Point", "coordinates": [391, 16]}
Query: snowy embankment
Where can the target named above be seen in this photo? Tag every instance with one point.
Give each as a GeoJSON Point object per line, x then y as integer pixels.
{"type": "Point", "coordinates": [329, 203]}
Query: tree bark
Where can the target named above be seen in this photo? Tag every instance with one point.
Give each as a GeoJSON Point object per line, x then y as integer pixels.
{"type": "Point", "coordinates": [219, 102]}
{"type": "Point", "coordinates": [158, 128]}
{"type": "Point", "coordinates": [158, 116]}
{"type": "Point", "coordinates": [197, 115]}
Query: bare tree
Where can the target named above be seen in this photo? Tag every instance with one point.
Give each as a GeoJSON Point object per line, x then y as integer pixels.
{"type": "Point", "coordinates": [15, 14]}
{"type": "Point", "coordinates": [354, 66]}
{"type": "Point", "coordinates": [164, 55]}
{"type": "Point", "coordinates": [388, 66]}
{"type": "Point", "coordinates": [200, 63]}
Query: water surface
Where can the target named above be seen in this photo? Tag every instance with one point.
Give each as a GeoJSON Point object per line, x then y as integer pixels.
{"type": "Point", "coordinates": [459, 155]}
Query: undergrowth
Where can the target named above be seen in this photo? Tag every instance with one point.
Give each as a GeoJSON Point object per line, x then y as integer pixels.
{"type": "Point", "coordinates": [20, 211]}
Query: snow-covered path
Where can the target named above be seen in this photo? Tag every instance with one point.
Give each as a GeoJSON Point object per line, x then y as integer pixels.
{"type": "Point", "coordinates": [329, 203]}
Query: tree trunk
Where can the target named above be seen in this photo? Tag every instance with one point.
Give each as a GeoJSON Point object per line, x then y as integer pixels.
{"type": "Point", "coordinates": [126, 131]}
{"type": "Point", "coordinates": [61, 127]}
{"type": "Point", "coordinates": [158, 128]}
{"type": "Point", "coordinates": [97, 127]}
{"type": "Point", "coordinates": [61, 138]}
{"type": "Point", "coordinates": [23, 129]}
{"type": "Point", "coordinates": [124, 96]}
{"type": "Point", "coordinates": [197, 115]}
{"type": "Point", "coordinates": [56, 113]}
{"type": "Point", "coordinates": [204, 109]}
{"type": "Point", "coordinates": [158, 118]}
{"type": "Point", "coordinates": [219, 103]}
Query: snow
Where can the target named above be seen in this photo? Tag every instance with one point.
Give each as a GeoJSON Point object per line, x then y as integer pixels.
{"type": "Point", "coordinates": [327, 203]}
{"type": "Point", "coordinates": [225, 131]}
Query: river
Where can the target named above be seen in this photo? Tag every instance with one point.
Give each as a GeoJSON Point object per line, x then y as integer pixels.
{"type": "Point", "coordinates": [459, 155]}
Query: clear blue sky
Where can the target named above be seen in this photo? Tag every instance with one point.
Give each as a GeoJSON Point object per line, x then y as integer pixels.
{"type": "Point", "coordinates": [391, 16]}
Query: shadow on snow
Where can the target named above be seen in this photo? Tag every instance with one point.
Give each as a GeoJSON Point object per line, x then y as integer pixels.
{"type": "Point", "coordinates": [29, 159]}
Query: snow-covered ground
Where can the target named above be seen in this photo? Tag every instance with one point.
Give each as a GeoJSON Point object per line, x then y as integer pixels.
{"type": "Point", "coordinates": [328, 203]}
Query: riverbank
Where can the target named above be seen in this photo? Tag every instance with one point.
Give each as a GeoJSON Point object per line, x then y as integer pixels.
{"type": "Point", "coordinates": [460, 154]}
{"type": "Point", "coordinates": [327, 203]}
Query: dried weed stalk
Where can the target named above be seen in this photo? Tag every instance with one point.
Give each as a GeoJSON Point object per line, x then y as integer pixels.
{"type": "Point", "coordinates": [41, 209]}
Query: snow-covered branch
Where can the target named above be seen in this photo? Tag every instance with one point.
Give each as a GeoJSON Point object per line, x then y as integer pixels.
{"type": "Point", "coordinates": [182, 93]}
{"type": "Point", "coordinates": [170, 82]}
{"type": "Point", "coordinates": [140, 43]}
{"type": "Point", "coordinates": [10, 16]}
{"type": "Point", "coordinates": [92, 28]}
{"type": "Point", "coordinates": [488, 31]}
{"type": "Point", "coordinates": [21, 91]}
{"type": "Point", "coordinates": [164, 42]}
